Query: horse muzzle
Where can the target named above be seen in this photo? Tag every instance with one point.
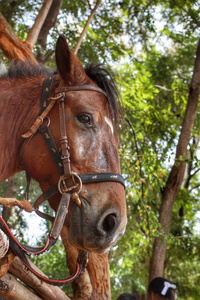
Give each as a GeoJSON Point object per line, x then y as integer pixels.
{"type": "Point", "coordinates": [99, 222]}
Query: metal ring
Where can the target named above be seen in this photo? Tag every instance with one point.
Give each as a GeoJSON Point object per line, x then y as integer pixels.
{"type": "Point", "coordinates": [49, 121]}
{"type": "Point", "coordinates": [71, 188]}
{"type": "Point", "coordinates": [61, 96]}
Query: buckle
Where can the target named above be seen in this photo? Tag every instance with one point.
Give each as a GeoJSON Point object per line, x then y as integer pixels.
{"type": "Point", "coordinates": [76, 188]}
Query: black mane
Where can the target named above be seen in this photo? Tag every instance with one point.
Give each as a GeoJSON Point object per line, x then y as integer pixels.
{"type": "Point", "coordinates": [25, 69]}
{"type": "Point", "coordinates": [103, 78]}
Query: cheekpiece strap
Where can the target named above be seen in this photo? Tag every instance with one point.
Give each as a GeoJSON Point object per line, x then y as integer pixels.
{"type": "Point", "coordinates": [53, 149]}
{"type": "Point", "coordinates": [46, 92]}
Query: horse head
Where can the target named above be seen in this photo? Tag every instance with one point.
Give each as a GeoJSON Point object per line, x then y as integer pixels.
{"type": "Point", "coordinates": [93, 145]}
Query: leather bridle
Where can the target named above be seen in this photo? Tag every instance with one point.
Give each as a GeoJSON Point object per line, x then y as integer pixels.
{"type": "Point", "coordinates": [69, 184]}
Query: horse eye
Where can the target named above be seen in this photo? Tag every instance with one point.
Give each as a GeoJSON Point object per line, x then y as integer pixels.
{"type": "Point", "coordinates": [85, 119]}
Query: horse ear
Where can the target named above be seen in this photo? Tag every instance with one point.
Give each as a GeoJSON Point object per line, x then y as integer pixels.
{"type": "Point", "coordinates": [68, 64]}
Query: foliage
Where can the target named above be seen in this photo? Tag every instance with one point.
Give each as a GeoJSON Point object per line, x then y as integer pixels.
{"type": "Point", "coordinates": [154, 97]}
{"type": "Point", "coordinates": [152, 44]}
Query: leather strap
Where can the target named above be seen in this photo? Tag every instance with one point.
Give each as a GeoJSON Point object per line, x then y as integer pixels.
{"type": "Point", "coordinates": [65, 155]}
{"type": "Point", "coordinates": [85, 178]}
{"type": "Point", "coordinates": [46, 92]}
{"type": "Point", "coordinates": [60, 216]}
{"type": "Point", "coordinates": [85, 87]}
{"type": "Point", "coordinates": [39, 121]}
{"type": "Point", "coordinates": [20, 252]}
{"type": "Point", "coordinates": [102, 177]}
{"type": "Point", "coordinates": [53, 149]}
{"type": "Point", "coordinates": [25, 248]}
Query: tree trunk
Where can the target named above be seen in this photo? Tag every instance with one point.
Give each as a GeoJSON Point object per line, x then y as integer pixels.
{"type": "Point", "coordinates": [39, 21]}
{"type": "Point", "coordinates": [12, 46]}
{"type": "Point", "coordinates": [49, 23]}
{"type": "Point", "coordinates": [177, 173]}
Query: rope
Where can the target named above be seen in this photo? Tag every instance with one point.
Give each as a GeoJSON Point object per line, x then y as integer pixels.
{"type": "Point", "coordinates": [22, 204]}
{"type": "Point", "coordinates": [4, 244]}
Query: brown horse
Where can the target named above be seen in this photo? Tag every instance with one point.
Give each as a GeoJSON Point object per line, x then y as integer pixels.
{"type": "Point", "coordinates": [92, 138]}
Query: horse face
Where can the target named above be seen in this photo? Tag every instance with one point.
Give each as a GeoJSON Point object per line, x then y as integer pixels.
{"type": "Point", "coordinates": [93, 142]}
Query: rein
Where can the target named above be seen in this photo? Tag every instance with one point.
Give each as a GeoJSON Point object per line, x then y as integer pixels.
{"type": "Point", "coordinates": [69, 184]}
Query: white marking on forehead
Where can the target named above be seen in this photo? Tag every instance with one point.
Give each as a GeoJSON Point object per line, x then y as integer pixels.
{"type": "Point", "coordinates": [108, 121]}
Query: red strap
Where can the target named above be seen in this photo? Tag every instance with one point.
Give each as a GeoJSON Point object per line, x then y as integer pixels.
{"type": "Point", "coordinates": [20, 251]}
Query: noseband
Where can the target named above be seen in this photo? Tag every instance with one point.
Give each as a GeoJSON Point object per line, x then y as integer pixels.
{"type": "Point", "coordinates": [69, 184]}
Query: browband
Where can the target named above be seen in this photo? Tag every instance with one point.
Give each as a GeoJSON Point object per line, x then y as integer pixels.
{"type": "Point", "coordinates": [85, 87]}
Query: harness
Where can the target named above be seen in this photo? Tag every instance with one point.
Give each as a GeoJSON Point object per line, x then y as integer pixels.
{"type": "Point", "coordinates": [69, 184]}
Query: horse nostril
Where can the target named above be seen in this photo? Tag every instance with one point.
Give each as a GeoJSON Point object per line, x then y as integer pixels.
{"type": "Point", "coordinates": [107, 224]}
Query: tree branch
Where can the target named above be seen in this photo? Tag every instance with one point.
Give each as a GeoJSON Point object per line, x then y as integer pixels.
{"type": "Point", "coordinates": [86, 27]}
{"type": "Point", "coordinates": [46, 291]}
{"type": "Point", "coordinates": [12, 45]}
{"type": "Point", "coordinates": [12, 289]}
{"type": "Point", "coordinates": [195, 187]}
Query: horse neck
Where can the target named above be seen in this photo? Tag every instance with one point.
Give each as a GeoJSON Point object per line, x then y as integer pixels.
{"type": "Point", "coordinates": [19, 107]}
